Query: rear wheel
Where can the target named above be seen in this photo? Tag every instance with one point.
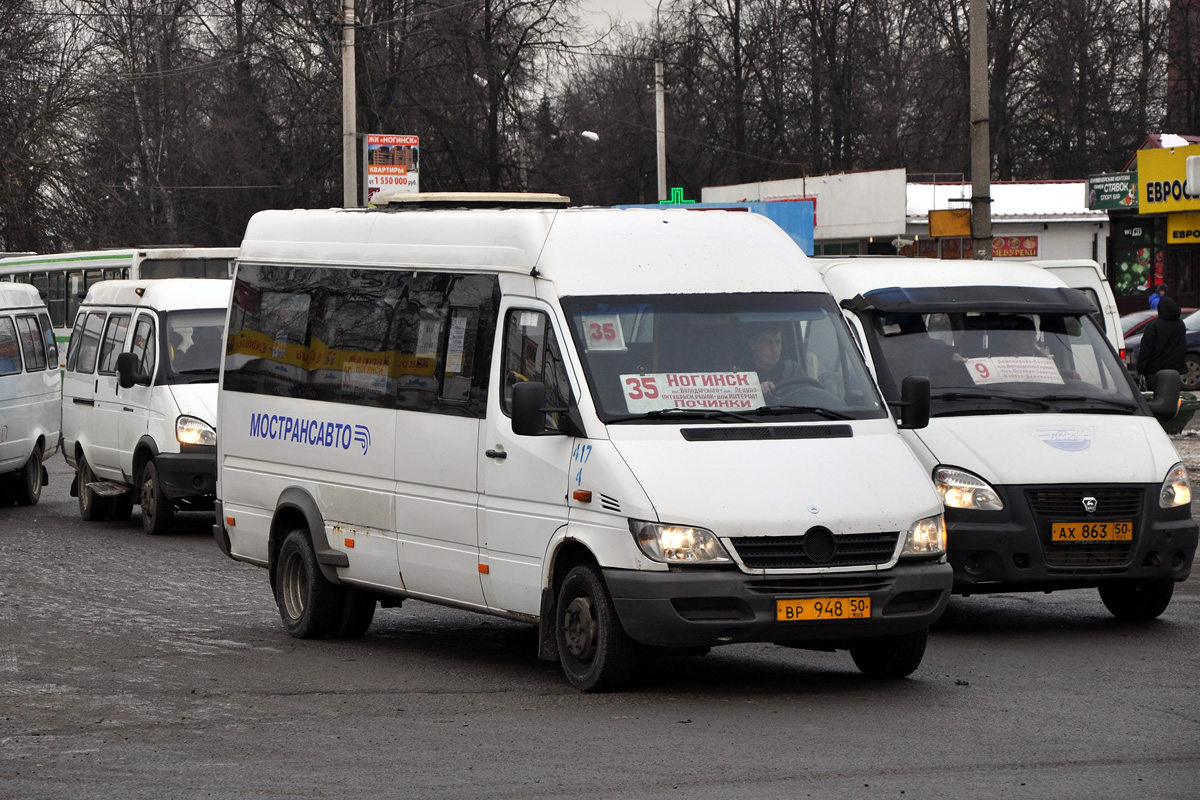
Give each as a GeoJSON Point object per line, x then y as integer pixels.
{"type": "Point", "coordinates": [310, 606]}
{"type": "Point", "coordinates": [158, 512]}
{"type": "Point", "coordinates": [595, 652]}
{"type": "Point", "coordinates": [1138, 599]}
{"type": "Point", "coordinates": [890, 656]}
{"type": "Point", "coordinates": [1190, 380]}
{"type": "Point", "coordinates": [91, 505]}
{"type": "Point", "coordinates": [28, 488]}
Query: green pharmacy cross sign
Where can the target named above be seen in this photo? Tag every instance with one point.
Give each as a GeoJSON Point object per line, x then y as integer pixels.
{"type": "Point", "coordinates": [676, 197]}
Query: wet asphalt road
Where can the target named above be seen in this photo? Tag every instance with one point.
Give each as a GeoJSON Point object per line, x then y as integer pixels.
{"type": "Point", "coordinates": [138, 667]}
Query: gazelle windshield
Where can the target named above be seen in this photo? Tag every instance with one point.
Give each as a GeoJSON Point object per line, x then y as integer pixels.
{"type": "Point", "coordinates": [725, 357]}
{"type": "Point", "coordinates": [1001, 361]}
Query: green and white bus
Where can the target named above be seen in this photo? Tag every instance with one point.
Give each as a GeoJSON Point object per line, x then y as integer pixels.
{"type": "Point", "coordinates": [64, 278]}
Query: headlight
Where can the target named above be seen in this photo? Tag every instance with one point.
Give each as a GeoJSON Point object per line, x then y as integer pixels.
{"type": "Point", "coordinates": [927, 537]}
{"type": "Point", "coordinates": [1176, 491]}
{"type": "Point", "coordinates": [678, 544]}
{"type": "Point", "coordinates": [962, 489]}
{"type": "Point", "coordinates": [189, 430]}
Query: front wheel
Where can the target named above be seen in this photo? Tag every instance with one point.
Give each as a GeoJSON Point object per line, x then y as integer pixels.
{"type": "Point", "coordinates": [595, 652]}
{"type": "Point", "coordinates": [358, 609]}
{"type": "Point", "coordinates": [890, 656]}
{"type": "Point", "coordinates": [158, 512]}
{"type": "Point", "coordinates": [1133, 600]}
{"type": "Point", "coordinates": [310, 606]}
{"type": "Point", "coordinates": [29, 480]}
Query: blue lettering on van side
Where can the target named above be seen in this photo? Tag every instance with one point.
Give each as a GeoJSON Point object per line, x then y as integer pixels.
{"type": "Point", "coordinates": [313, 432]}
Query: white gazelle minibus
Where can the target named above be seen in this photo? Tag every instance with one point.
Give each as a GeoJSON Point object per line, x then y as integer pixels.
{"type": "Point", "coordinates": [1054, 471]}
{"type": "Point", "coordinates": [640, 430]}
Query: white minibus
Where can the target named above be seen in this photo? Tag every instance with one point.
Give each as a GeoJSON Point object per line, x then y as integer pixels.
{"type": "Point", "coordinates": [1054, 472]}
{"type": "Point", "coordinates": [29, 394]}
{"type": "Point", "coordinates": [639, 430]}
{"type": "Point", "coordinates": [140, 396]}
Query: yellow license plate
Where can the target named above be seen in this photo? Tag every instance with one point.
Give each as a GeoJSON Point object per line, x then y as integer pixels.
{"type": "Point", "coordinates": [1085, 532]}
{"type": "Point", "coordinates": [823, 608]}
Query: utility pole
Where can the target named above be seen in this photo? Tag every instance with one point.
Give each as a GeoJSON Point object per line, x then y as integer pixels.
{"type": "Point", "coordinates": [660, 116]}
{"type": "Point", "coordinates": [349, 109]}
{"type": "Point", "coordinates": [981, 151]}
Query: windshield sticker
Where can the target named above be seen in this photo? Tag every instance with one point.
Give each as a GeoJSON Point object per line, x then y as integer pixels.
{"type": "Point", "coordinates": [1013, 369]}
{"type": "Point", "coordinates": [719, 390]}
{"type": "Point", "coordinates": [1072, 440]}
{"type": "Point", "coordinates": [603, 332]}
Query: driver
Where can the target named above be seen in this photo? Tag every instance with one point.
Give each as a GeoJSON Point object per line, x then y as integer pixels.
{"type": "Point", "coordinates": [766, 346]}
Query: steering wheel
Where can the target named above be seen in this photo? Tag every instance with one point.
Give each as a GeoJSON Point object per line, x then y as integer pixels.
{"type": "Point", "coordinates": [782, 387]}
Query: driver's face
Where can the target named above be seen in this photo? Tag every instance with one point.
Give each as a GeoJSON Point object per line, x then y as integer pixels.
{"type": "Point", "coordinates": [767, 349]}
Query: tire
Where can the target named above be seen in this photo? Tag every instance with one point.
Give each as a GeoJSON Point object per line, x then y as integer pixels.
{"type": "Point", "coordinates": [595, 652]}
{"type": "Point", "coordinates": [158, 512]}
{"type": "Point", "coordinates": [28, 486]}
{"type": "Point", "coordinates": [309, 605]}
{"type": "Point", "coordinates": [122, 507]}
{"type": "Point", "coordinates": [92, 506]}
{"type": "Point", "coordinates": [357, 611]}
{"type": "Point", "coordinates": [1190, 380]}
{"type": "Point", "coordinates": [1138, 600]}
{"type": "Point", "coordinates": [890, 656]}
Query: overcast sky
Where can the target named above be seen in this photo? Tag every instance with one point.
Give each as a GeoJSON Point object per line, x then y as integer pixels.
{"type": "Point", "coordinates": [628, 10]}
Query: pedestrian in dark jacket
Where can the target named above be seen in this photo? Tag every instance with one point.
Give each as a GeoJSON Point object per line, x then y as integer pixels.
{"type": "Point", "coordinates": [1164, 345]}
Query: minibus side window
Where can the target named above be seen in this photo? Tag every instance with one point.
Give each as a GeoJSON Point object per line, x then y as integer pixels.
{"type": "Point", "coordinates": [31, 343]}
{"type": "Point", "coordinates": [532, 353]}
{"type": "Point", "coordinates": [76, 341]}
{"type": "Point", "coordinates": [89, 342]}
{"type": "Point", "coordinates": [10, 355]}
{"type": "Point", "coordinates": [51, 342]}
{"type": "Point", "coordinates": [143, 344]}
{"type": "Point", "coordinates": [114, 338]}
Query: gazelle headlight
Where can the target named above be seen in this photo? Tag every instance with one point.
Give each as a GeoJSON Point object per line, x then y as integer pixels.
{"type": "Point", "coordinates": [962, 489]}
{"type": "Point", "coordinates": [189, 430]}
{"type": "Point", "coordinates": [1176, 490]}
{"type": "Point", "coordinates": [926, 537]}
{"type": "Point", "coordinates": [678, 544]}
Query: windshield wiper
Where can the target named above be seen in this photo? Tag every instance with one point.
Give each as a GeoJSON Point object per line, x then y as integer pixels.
{"type": "Point", "coordinates": [784, 409]}
{"type": "Point", "coordinates": [1083, 398]}
{"type": "Point", "coordinates": [1012, 398]}
{"type": "Point", "coordinates": [199, 371]}
{"type": "Point", "coordinates": [685, 413]}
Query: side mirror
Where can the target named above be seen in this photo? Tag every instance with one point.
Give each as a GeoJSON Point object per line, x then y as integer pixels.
{"type": "Point", "coordinates": [127, 371]}
{"type": "Point", "coordinates": [1165, 403]}
{"type": "Point", "coordinates": [914, 402]}
{"type": "Point", "coordinates": [529, 408]}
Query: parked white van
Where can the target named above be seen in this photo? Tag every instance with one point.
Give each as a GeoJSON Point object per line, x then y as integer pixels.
{"type": "Point", "coordinates": [140, 398]}
{"type": "Point", "coordinates": [1086, 275]}
{"type": "Point", "coordinates": [560, 418]}
{"type": "Point", "coordinates": [1054, 471]}
{"type": "Point", "coordinates": [30, 390]}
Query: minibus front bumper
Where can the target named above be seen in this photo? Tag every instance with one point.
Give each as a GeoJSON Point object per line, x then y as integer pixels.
{"type": "Point", "coordinates": [1014, 550]}
{"type": "Point", "coordinates": [707, 607]}
{"type": "Point", "coordinates": [192, 474]}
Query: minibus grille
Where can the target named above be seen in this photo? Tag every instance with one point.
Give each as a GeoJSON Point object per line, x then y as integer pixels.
{"type": "Point", "coordinates": [790, 552]}
{"type": "Point", "coordinates": [1067, 505]}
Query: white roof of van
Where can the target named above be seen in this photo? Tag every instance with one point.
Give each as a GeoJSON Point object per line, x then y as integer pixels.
{"type": "Point", "coordinates": [166, 294]}
{"type": "Point", "coordinates": [849, 277]}
{"type": "Point", "coordinates": [584, 251]}
{"type": "Point", "coordinates": [19, 295]}
{"type": "Point", "coordinates": [103, 258]}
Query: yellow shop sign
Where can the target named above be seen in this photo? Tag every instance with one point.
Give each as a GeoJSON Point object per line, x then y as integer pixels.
{"type": "Point", "coordinates": [1183, 228]}
{"type": "Point", "coordinates": [1162, 174]}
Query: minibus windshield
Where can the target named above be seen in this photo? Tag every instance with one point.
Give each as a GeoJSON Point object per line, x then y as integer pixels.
{"type": "Point", "coordinates": [754, 357]}
{"type": "Point", "coordinates": [195, 345]}
{"type": "Point", "coordinates": [1001, 361]}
